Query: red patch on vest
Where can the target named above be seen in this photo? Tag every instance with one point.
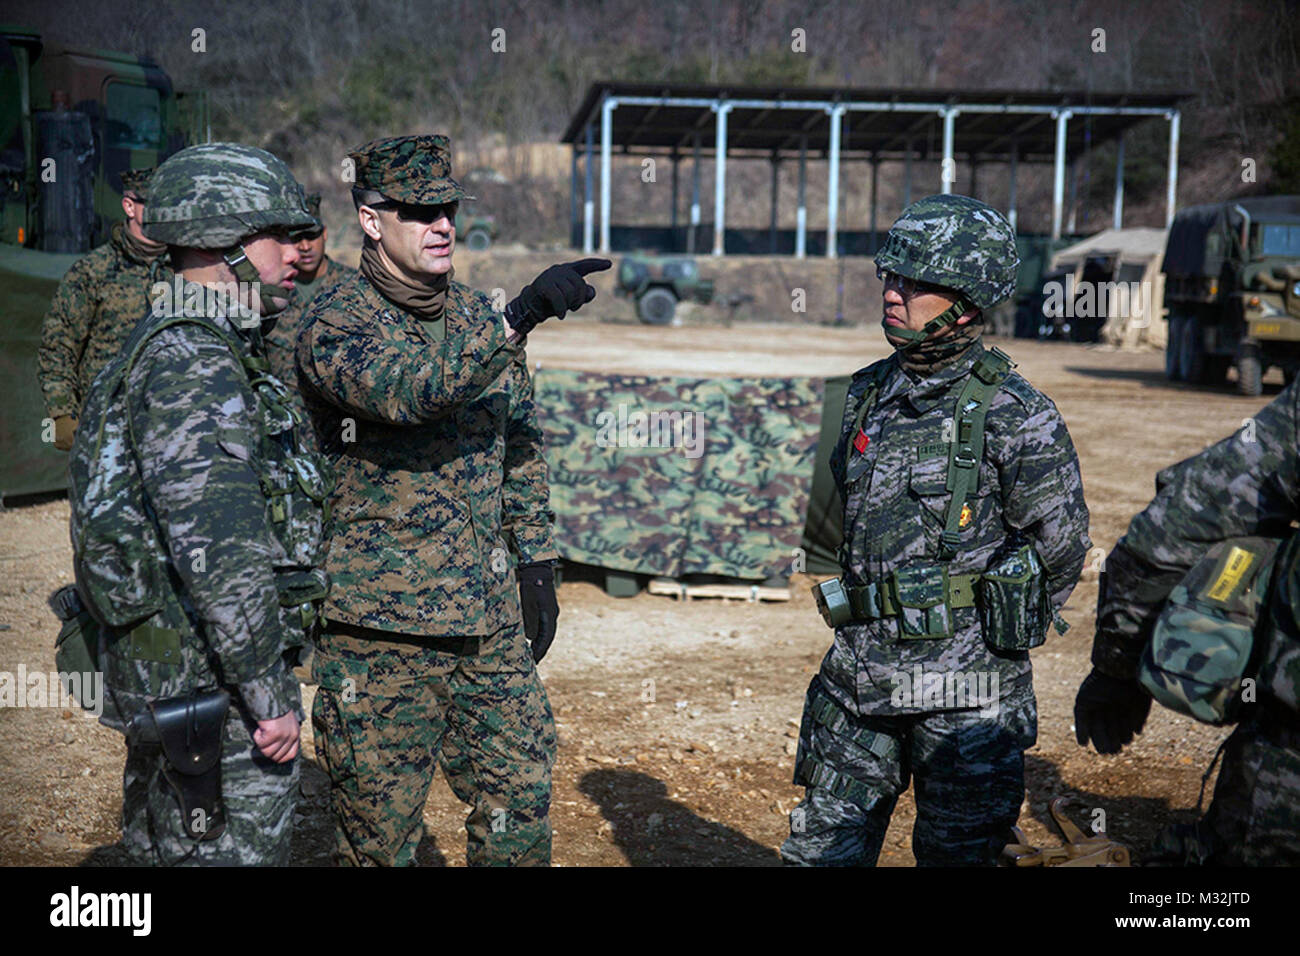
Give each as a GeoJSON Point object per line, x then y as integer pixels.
{"type": "Point", "coordinates": [861, 442]}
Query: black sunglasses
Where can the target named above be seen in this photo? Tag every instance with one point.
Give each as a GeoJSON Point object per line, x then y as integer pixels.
{"type": "Point", "coordinates": [413, 212]}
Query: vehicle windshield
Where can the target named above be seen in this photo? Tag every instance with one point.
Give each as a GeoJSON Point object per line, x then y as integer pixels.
{"type": "Point", "coordinates": [1279, 240]}
{"type": "Point", "coordinates": [134, 119]}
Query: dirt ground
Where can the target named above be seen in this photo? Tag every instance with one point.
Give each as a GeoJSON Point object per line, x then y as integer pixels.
{"type": "Point", "coordinates": [700, 774]}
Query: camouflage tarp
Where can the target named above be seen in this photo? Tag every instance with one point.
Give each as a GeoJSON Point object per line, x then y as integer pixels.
{"type": "Point", "coordinates": [676, 476]}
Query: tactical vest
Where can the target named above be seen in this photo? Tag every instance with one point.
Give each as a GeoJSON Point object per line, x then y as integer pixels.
{"type": "Point", "coordinates": [122, 567]}
{"type": "Point", "coordinates": [1013, 604]}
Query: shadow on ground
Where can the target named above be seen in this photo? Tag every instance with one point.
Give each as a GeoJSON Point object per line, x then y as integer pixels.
{"type": "Point", "coordinates": [1153, 378]}
{"type": "Point", "coordinates": [1134, 821]}
{"type": "Point", "coordinates": [652, 830]}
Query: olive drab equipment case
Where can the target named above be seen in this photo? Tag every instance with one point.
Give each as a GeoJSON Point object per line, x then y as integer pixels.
{"type": "Point", "coordinates": [1207, 639]}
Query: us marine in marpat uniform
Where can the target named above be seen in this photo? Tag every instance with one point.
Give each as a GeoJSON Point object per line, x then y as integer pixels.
{"type": "Point", "coordinates": [444, 596]}
{"type": "Point", "coordinates": [96, 306]}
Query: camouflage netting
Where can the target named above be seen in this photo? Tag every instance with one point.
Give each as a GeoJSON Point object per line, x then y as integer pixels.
{"type": "Point", "coordinates": [732, 500]}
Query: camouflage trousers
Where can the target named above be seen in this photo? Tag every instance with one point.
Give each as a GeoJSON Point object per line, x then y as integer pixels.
{"type": "Point", "coordinates": [388, 706]}
{"type": "Point", "coordinates": [259, 797]}
{"type": "Point", "coordinates": [968, 771]}
{"type": "Point", "coordinates": [1254, 819]}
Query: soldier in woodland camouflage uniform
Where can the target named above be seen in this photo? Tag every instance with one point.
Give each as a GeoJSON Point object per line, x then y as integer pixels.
{"type": "Point", "coordinates": [442, 554]}
{"type": "Point", "coordinates": [96, 306]}
{"type": "Point", "coordinates": [897, 692]}
{"type": "Point", "coordinates": [1246, 484]}
{"type": "Point", "coordinates": [234, 523]}
{"type": "Point", "coordinates": [317, 274]}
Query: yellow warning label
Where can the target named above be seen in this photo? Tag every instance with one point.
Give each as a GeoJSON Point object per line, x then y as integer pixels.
{"type": "Point", "coordinates": [1234, 569]}
{"type": "Point", "coordinates": [966, 515]}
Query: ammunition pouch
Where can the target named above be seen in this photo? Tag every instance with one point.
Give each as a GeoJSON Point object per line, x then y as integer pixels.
{"type": "Point", "coordinates": [303, 589]}
{"type": "Point", "coordinates": [189, 731]}
{"type": "Point", "coordinates": [1015, 609]}
{"type": "Point", "coordinates": [924, 610]}
{"type": "Point", "coordinates": [922, 598]}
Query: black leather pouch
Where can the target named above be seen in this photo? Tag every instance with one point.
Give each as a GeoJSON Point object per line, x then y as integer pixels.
{"type": "Point", "coordinates": [190, 732]}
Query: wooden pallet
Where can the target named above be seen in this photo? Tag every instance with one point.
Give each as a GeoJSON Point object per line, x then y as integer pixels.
{"type": "Point", "coordinates": [728, 592]}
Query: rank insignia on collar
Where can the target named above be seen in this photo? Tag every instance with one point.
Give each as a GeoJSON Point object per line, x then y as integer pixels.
{"type": "Point", "coordinates": [966, 516]}
{"type": "Point", "coordinates": [861, 441]}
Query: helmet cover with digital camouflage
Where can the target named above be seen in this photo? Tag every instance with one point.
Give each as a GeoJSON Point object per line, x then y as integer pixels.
{"type": "Point", "coordinates": [215, 195]}
{"type": "Point", "coordinates": [959, 244]}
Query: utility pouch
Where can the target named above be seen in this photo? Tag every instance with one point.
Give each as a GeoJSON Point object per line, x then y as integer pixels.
{"type": "Point", "coordinates": [189, 731]}
{"type": "Point", "coordinates": [304, 589]}
{"type": "Point", "coordinates": [1015, 609]}
{"type": "Point", "coordinates": [833, 602]}
{"type": "Point", "coordinates": [1203, 646]}
{"type": "Point", "coordinates": [76, 650]}
{"type": "Point", "coordinates": [921, 594]}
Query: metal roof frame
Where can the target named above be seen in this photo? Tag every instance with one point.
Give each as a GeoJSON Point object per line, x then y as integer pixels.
{"type": "Point", "coordinates": [845, 124]}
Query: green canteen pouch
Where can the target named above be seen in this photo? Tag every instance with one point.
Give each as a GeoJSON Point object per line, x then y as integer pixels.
{"type": "Point", "coordinates": [833, 602]}
{"type": "Point", "coordinates": [76, 649]}
{"type": "Point", "coordinates": [1015, 609]}
{"type": "Point", "coordinates": [1203, 643]}
{"type": "Point", "coordinates": [921, 594]}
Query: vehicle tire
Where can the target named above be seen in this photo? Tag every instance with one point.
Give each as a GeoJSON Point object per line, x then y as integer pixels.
{"type": "Point", "coordinates": [657, 307]}
{"type": "Point", "coordinates": [1250, 372]}
{"type": "Point", "coordinates": [477, 240]}
{"type": "Point", "coordinates": [1191, 355]}
{"type": "Point", "coordinates": [1174, 348]}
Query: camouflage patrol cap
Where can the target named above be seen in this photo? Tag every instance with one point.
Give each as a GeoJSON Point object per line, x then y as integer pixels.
{"type": "Point", "coordinates": [409, 169]}
{"type": "Point", "coordinates": [955, 242]}
{"type": "Point", "coordinates": [213, 195]}
{"type": "Point", "coordinates": [136, 181]}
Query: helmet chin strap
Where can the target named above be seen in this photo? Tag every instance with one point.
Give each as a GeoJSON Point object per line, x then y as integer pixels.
{"type": "Point", "coordinates": [246, 274]}
{"type": "Point", "coordinates": [943, 320]}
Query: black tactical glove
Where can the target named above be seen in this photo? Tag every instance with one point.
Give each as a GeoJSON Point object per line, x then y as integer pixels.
{"type": "Point", "coordinates": [541, 610]}
{"type": "Point", "coordinates": [1109, 711]}
{"type": "Point", "coordinates": [558, 290]}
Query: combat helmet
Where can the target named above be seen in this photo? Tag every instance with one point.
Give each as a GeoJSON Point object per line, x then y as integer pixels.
{"type": "Point", "coordinates": [958, 243]}
{"type": "Point", "coordinates": [215, 195]}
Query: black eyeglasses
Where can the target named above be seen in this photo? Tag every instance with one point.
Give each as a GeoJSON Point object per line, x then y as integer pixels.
{"type": "Point", "coordinates": [907, 285]}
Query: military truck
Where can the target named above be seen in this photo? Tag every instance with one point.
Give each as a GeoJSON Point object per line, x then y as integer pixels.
{"type": "Point", "coordinates": [1232, 290]}
{"type": "Point", "coordinates": [71, 122]}
{"type": "Point", "coordinates": [658, 283]}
